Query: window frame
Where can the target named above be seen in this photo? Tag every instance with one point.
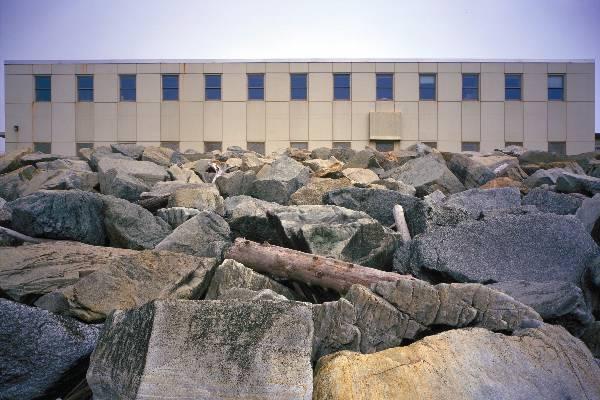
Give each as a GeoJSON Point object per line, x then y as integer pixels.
{"type": "Point", "coordinates": [462, 146]}
{"type": "Point", "coordinates": [465, 89]}
{"type": "Point", "coordinates": [381, 144]}
{"type": "Point", "coordinates": [506, 88]}
{"type": "Point", "coordinates": [562, 93]}
{"type": "Point", "coordinates": [207, 87]}
{"type": "Point", "coordinates": [299, 145]}
{"type": "Point", "coordinates": [218, 146]}
{"type": "Point", "coordinates": [391, 88]}
{"type": "Point", "coordinates": [421, 88]}
{"type": "Point", "coordinates": [121, 89]}
{"type": "Point", "coordinates": [42, 90]}
{"type": "Point", "coordinates": [259, 89]}
{"type": "Point", "coordinates": [561, 143]}
{"type": "Point", "coordinates": [163, 88]}
{"type": "Point", "coordinates": [304, 88]}
{"type": "Point", "coordinates": [85, 90]}
{"type": "Point", "coordinates": [349, 87]}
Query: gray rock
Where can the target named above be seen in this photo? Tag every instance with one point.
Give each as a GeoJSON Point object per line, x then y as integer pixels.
{"type": "Point", "coordinates": [436, 197]}
{"type": "Point", "coordinates": [134, 151]}
{"type": "Point", "coordinates": [119, 184]}
{"type": "Point", "coordinates": [589, 214]}
{"type": "Point", "coordinates": [591, 338]}
{"type": "Point", "coordinates": [427, 215]}
{"type": "Point", "coordinates": [203, 198]}
{"type": "Point", "coordinates": [162, 189]}
{"type": "Point", "coordinates": [30, 271]}
{"type": "Point", "coordinates": [176, 216]}
{"type": "Point", "coordinates": [539, 157]}
{"type": "Point", "coordinates": [61, 179]}
{"type": "Point", "coordinates": [250, 295]}
{"type": "Point", "coordinates": [398, 186]}
{"type": "Point", "coordinates": [11, 160]}
{"type": "Point", "coordinates": [248, 218]}
{"type": "Point", "coordinates": [40, 351]}
{"type": "Point", "coordinates": [378, 203]}
{"type": "Point", "coordinates": [552, 202]}
{"type": "Point", "coordinates": [223, 349]}
{"type": "Point", "coordinates": [573, 183]}
{"type": "Point", "coordinates": [13, 183]}
{"type": "Point", "coordinates": [365, 159]}
{"type": "Point", "coordinates": [321, 153]}
{"type": "Point", "coordinates": [557, 302]}
{"type": "Point", "coordinates": [468, 170]}
{"type": "Point", "coordinates": [231, 275]}
{"type": "Point", "coordinates": [129, 282]}
{"type": "Point", "coordinates": [277, 181]}
{"type": "Point", "coordinates": [98, 153]}
{"type": "Point", "coordinates": [60, 214]}
{"type": "Point", "coordinates": [335, 232]}
{"type": "Point", "coordinates": [477, 201]}
{"type": "Point", "coordinates": [5, 213]}
{"type": "Point", "coordinates": [360, 175]}
{"type": "Point", "coordinates": [130, 178]}
{"type": "Point", "coordinates": [34, 158]}
{"type": "Point", "coordinates": [235, 183]}
{"type": "Point", "coordinates": [393, 312]}
{"type": "Point", "coordinates": [532, 247]}
{"type": "Point", "coordinates": [344, 155]}
{"type": "Point", "coordinates": [163, 156]}
{"type": "Point", "coordinates": [312, 193]}
{"type": "Point", "coordinates": [130, 226]}
{"type": "Point", "coordinates": [205, 235]}
{"type": "Point", "coordinates": [427, 174]}
{"type": "Point", "coordinates": [183, 174]}
{"type": "Point", "coordinates": [65, 163]}
{"type": "Point", "coordinates": [543, 177]}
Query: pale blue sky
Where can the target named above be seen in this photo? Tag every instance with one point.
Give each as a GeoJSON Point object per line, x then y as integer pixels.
{"type": "Point", "coordinates": [153, 29]}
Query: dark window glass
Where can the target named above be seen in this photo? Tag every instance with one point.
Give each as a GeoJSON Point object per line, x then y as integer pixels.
{"type": "Point", "coordinates": [557, 147]}
{"type": "Point", "coordinates": [433, 145]}
{"type": "Point", "coordinates": [212, 87]}
{"type": "Point", "coordinates": [257, 147]}
{"type": "Point", "coordinates": [384, 145]}
{"type": "Point", "coordinates": [299, 87]}
{"type": "Point", "coordinates": [556, 87]}
{"type": "Point", "coordinates": [42, 147]}
{"type": "Point", "coordinates": [127, 87]}
{"type": "Point", "coordinates": [81, 145]}
{"type": "Point", "coordinates": [170, 87]}
{"type": "Point", "coordinates": [385, 86]}
{"type": "Point", "coordinates": [341, 145]}
{"type": "Point", "coordinates": [43, 88]}
{"type": "Point", "coordinates": [520, 144]}
{"type": "Point", "coordinates": [470, 146]}
{"type": "Point", "coordinates": [256, 86]}
{"type": "Point", "coordinates": [85, 88]}
{"type": "Point", "coordinates": [512, 87]}
{"type": "Point", "coordinates": [299, 145]}
{"type": "Point", "coordinates": [170, 145]}
{"type": "Point", "coordinates": [470, 87]}
{"type": "Point", "coordinates": [427, 87]}
{"type": "Point", "coordinates": [341, 86]}
{"type": "Point", "coordinates": [212, 146]}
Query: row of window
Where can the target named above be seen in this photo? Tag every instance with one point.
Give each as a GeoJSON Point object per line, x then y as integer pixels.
{"type": "Point", "coordinates": [299, 87]}
{"type": "Point", "coordinates": [259, 147]}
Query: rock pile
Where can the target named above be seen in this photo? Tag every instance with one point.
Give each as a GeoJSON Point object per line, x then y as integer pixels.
{"type": "Point", "coordinates": [136, 272]}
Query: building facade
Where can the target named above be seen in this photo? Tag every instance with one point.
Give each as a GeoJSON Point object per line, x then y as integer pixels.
{"type": "Point", "coordinates": [61, 106]}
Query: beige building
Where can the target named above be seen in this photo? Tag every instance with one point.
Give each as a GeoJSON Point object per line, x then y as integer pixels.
{"type": "Point", "coordinates": [60, 106]}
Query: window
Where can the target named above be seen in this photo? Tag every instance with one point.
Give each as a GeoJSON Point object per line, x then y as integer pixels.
{"type": "Point", "coordinates": [212, 87]}
{"type": "Point", "coordinates": [341, 145]}
{"type": "Point", "coordinates": [257, 147]}
{"type": "Point", "coordinates": [512, 87]}
{"type": "Point", "coordinates": [520, 144]}
{"type": "Point", "coordinates": [170, 145]}
{"type": "Point", "coordinates": [299, 145]}
{"type": "Point", "coordinates": [426, 87]}
{"type": "Point", "coordinates": [341, 86]}
{"type": "Point", "coordinates": [433, 145]}
{"type": "Point", "coordinates": [85, 88]}
{"type": "Point", "coordinates": [42, 88]}
{"type": "Point", "coordinates": [212, 146]}
{"type": "Point", "coordinates": [557, 147]}
{"type": "Point", "coordinates": [127, 87]}
{"type": "Point", "coordinates": [42, 147]}
{"type": "Point", "coordinates": [384, 145]}
{"type": "Point", "coordinates": [556, 87]}
{"type": "Point", "coordinates": [385, 86]}
{"type": "Point", "coordinates": [470, 146]}
{"type": "Point", "coordinates": [299, 87]}
{"type": "Point", "coordinates": [170, 87]}
{"type": "Point", "coordinates": [79, 146]}
{"type": "Point", "coordinates": [470, 87]}
{"type": "Point", "coordinates": [256, 86]}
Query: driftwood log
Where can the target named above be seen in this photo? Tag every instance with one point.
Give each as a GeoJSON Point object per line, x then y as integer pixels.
{"type": "Point", "coordinates": [308, 268]}
{"type": "Point", "coordinates": [401, 225]}
{"type": "Point", "coordinates": [19, 236]}
{"type": "Point", "coordinates": [152, 204]}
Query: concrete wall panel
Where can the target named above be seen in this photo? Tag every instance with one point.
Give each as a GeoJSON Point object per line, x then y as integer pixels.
{"type": "Point", "coordinates": [20, 115]}
{"type": "Point", "coordinates": [192, 87]}
{"type": "Point", "coordinates": [277, 86]}
{"type": "Point", "coordinates": [106, 88]}
{"type": "Point", "coordinates": [428, 121]}
{"type": "Point", "coordinates": [449, 121]}
{"type": "Point", "coordinates": [580, 121]}
{"type": "Point", "coordinates": [449, 87]}
{"type": "Point", "coordinates": [492, 126]}
{"type": "Point", "coordinates": [320, 123]}
{"type": "Point", "coordinates": [105, 122]}
{"type": "Point", "coordinates": [360, 120]}
{"type": "Point", "coordinates": [42, 122]}
{"type": "Point", "coordinates": [84, 122]}
{"type": "Point", "coordinates": [320, 87]}
{"type": "Point", "coordinates": [148, 122]}
{"type": "Point", "coordinates": [471, 121]}
{"type": "Point", "coordinates": [579, 87]}
{"type": "Point", "coordinates": [342, 121]}
{"type": "Point", "coordinates": [406, 86]}
{"type": "Point", "coordinates": [18, 88]}
{"type": "Point", "coordinates": [234, 123]}
{"type": "Point", "coordinates": [535, 116]}
{"type": "Point", "coordinates": [148, 88]}
{"type": "Point", "coordinates": [299, 120]}
{"type": "Point", "coordinates": [235, 87]}
{"type": "Point", "coordinates": [557, 121]}
{"type": "Point", "coordinates": [277, 121]}
{"type": "Point", "coordinates": [256, 116]}
{"type": "Point", "coordinates": [63, 122]}
{"type": "Point", "coordinates": [213, 121]}
{"type": "Point", "coordinates": [363, 87]}
{"type": "Point", "coordinates": [64, 89]}
{"type": "Point", "coordinates": [535, 87]}
{"type": "Point", "coordinates": [126, 122]}
{"type": "Point", "coordinates": [191, 121]}
{"type": "Point", "coordinates": [513, 121]}
{"type": "Point", "coordinates": [409, 119]}
{"type": "Point", "coordinates": [492, 86]}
